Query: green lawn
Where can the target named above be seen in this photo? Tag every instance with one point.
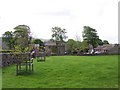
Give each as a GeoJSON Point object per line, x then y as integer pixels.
{"type": "Point", "coordinates": [66, 72]}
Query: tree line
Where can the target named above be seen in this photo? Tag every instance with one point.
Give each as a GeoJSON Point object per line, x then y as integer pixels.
{"type": "Point", "coordinates": [21, 37]}
{"type": "Point", "coordinates": [90, 40]}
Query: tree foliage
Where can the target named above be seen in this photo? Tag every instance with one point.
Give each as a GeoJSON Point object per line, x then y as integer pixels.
{"type": "Point", "coordinates": [38, 41]}
{"type": "Point", "coordinates": [84, 46]}
{"type": "Point", "coordinates": [8, 38]}
{"type": "Point", "coordinates": [22, 37]}
{"type": "Point", "coordinates": [22, 31]}
{"type": "Point", "coordinates": [100, 42]}
{"type": "Point", "coordinates": [58, 34]}
{"type": "Point", "coordinates": [105, 42]}
{"type": "Point", "coordinates": [90, 35]}
{"type": "Point", "coordinates": [73, 45]}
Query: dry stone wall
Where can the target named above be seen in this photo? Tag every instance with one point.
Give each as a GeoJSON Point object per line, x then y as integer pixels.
{"type": "Point", "coordinates": [7, 59]}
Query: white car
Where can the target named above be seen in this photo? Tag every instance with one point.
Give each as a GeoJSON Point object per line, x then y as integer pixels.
{"type": "Point", "coordinates": [97, 52]}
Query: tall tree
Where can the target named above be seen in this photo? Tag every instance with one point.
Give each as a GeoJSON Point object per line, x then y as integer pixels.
{"type": "Point", "coordinates": [22, 36]}
{"type": "Point", "coordinates": [8, 38]}
{"type": "Point", "coordinates": [58, 36]}
{"type": "Point", "coordinates": [90, 35]}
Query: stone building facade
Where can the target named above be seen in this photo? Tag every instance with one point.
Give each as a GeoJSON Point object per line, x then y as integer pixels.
{"type": "Point", "coordinates": [54, 48]}
{"type": "Point", "coordinates": [109, 49]}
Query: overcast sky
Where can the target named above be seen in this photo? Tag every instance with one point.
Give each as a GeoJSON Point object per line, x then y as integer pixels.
{"type": "Point", "coordinates": [42, 15]}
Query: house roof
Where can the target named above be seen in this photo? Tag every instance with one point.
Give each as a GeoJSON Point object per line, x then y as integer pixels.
{"type": "Point", "coordinates": [106, 47]}
{"type": "Point", "coordinates": [53, 43]}
{"type": "Point", "coordinates": [50, 43]}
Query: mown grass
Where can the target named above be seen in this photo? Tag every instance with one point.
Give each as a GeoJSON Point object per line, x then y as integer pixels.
{"type": "Point", "coordinates": [66, 72]}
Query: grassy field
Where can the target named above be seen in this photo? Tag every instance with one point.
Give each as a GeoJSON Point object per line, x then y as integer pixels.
{"type": "Point", "coordinates": [66, 72]}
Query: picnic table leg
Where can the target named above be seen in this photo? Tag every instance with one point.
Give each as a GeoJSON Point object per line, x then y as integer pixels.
{"type": "Point", "coordinates": [32, 64]}
{"type": "Point", "coordinates": [44, 58]}
{"type": "Point", "coordinates": [32, 67]}
{"type": "Point", "coordinates": [26, 66]}
{"type": "Point", "coordinates": [17, 69]}
{"type": "Point", "coordinates": [19, 66]}
{"type": "Point", "coordinates": [29, 67]}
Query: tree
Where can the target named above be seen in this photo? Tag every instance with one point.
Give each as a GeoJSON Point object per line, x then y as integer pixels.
{"type": "Point", "coordinates": [100, 42]}
{"type": "Point", "coordinates": [84, 46]}
{"type": "Point", "coordinates": [38, 41]}
{"type": "Point", "coordinates": [22, 37]}
{"type": "Point", "coordinates": [8, 38]}
{"type": "Point", "coordinates": [71, 45]}
{"type": "Point", "coordinates": [90, 35]}
{"type": "Point", "coordinates": [22, 31]}
{"type": "Point", "coordinates": [58, 36]}
{"type": "Point", "coordinates": [105, 42]}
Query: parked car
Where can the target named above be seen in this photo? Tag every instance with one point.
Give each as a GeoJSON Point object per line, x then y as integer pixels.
{"type": "Point", "coordinates": [97, 52]}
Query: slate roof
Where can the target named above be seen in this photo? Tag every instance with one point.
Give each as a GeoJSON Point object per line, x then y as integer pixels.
{"type": "Point", "coordinates": [50, 43]}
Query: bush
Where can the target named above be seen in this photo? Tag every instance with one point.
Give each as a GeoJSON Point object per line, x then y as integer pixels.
{"type": "Point", "coordinates": [7, 51]}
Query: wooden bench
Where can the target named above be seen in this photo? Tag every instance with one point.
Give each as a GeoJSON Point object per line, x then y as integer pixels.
{"type": "Point", "coordinates": [24, 60]}
{"type": "Point", "coordinates": [41, 56]}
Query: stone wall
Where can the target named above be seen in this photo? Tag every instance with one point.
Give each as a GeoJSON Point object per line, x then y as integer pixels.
{"type": "Point", "coordinates": [7, 59]}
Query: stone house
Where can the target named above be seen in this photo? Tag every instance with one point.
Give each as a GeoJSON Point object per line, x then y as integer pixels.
{"type": "Point", "coordinates": [54, 48]}
{"type": "Point", "coordinates": [108, 49]}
